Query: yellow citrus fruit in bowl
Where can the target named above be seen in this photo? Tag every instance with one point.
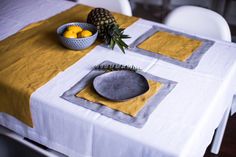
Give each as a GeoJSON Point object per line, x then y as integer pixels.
{"type": "Point", "coordinates": [70, 34]}
{"type": "Point", "coordinates": [74, 28]}
{"type": "Point", "coordinates": [85, 34]}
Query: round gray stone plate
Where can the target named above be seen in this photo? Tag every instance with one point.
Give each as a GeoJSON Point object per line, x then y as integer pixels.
{"type": "Point", "coordinates": [120, 85]}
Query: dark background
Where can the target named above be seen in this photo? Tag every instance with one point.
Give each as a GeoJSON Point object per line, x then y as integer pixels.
{"type": "Point", "coordinates": [156, 10]}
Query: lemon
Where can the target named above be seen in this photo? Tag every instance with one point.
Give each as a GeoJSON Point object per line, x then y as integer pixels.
{"type": "Point", "coordinates": [75, 29]}
{"type": "Point", "coordinates": [70, 34]}
{"type": "Point", "coordinates": [85, 33]}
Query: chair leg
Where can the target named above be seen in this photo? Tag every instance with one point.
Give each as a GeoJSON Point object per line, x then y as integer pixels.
{"type": "Point", "coordinates": [166, 4]}
{"type": "Point", "coordinates": [146, 4]}
{"type": "Point", "coordinates": [226, 7]}
{"type": "Point", "coordinates": [220, 6]}
{"type": "Point", "coordinates": [133, 4]}
{"type": "Point", "coordinates": [217, 140]}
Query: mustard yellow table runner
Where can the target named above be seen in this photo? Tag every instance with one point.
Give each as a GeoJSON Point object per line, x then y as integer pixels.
{"type": "Point", "coordinates": [174, 46]}
{"type": "Point", "coordinates": [130, 107]}
{"type": "Point", "coordinates": [33, 56]}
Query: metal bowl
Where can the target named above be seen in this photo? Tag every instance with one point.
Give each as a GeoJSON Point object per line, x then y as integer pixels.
{"type": "Point", "coordinates": [77, 43]}
{"type": "Point", "coordinates": [120, 85]}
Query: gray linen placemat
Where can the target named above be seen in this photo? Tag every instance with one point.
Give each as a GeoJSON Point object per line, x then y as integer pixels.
{"type": "Point", "coordinates": [190, 63]}
{"type": "Point", "coordinates": [141, 117]}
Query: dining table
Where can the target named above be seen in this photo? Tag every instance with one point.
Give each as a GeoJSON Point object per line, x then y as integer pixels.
{"type": "Point", "coordinates": [182, 124]}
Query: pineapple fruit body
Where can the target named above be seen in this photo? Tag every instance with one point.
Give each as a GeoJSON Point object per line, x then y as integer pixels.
{"type": "Point", "coordinates": [108, 29]}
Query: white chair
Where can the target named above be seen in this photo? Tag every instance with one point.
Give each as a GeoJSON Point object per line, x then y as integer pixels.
{"type": "Point", "coordinates": [119, 6]}
{"type": "Point", "coordinates": [201, 21]}
{"type": "Point", "coordinates": [207, 23]}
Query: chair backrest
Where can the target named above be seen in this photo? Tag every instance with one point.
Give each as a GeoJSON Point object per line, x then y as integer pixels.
{"type": "Point", "coordinates": [201, 21]}
{"type": "Point", "coordinates": [119, 6]}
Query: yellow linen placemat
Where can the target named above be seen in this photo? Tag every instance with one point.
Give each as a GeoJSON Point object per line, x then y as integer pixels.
{"type": "Point", "coordinates": [33, 56]}
{"type": "Point", "coordinates": [168, 44]}
{"type": "Point", "coordinates": [130, 107]}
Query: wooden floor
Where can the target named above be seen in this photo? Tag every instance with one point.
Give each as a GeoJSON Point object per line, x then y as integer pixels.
{"type": "Point", "coordinates": [228, 148]}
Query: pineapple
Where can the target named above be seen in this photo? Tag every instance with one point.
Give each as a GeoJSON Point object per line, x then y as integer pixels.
{"type": "Point", "coordinates": [108, 29]}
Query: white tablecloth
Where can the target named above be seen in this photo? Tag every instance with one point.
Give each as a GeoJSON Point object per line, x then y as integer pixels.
{"type": "Point", "coordinates": [16, 14]}
{"type": "Point", "coordinates": [181, 126]}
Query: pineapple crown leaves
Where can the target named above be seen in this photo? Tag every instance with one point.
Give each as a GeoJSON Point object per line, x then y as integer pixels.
{"type": "Point", "coordinates": [116, 67]}
{"type": "Point", "coordinates": [114, 36]}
